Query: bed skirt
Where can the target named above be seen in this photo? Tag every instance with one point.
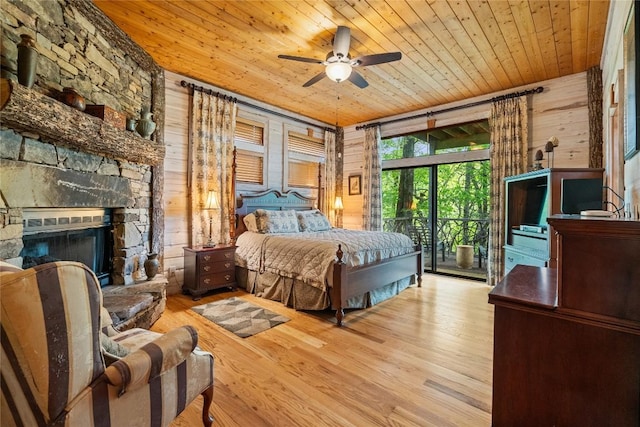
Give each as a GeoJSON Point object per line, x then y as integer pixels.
{"type": "Point", "coordinates": [299, 295]}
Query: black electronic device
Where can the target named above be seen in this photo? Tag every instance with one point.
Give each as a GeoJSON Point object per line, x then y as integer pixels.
{"type": "Point", "coordinates": [581, 194]}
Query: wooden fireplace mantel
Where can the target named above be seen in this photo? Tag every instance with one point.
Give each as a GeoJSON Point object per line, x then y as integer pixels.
{"type": "Point", "coordinates": [27, 110]}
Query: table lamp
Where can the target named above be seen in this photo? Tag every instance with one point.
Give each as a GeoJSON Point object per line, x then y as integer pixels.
{"type": "Point", "coordinates": [211, 205]}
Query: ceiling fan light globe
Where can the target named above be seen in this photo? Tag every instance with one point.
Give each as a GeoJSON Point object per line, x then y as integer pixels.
{"type": "Point", "coordinates": [338, 71]}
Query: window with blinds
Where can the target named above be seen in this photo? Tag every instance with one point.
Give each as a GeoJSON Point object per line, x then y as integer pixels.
{"type": "Point", "coordinates": [249, 141]}
{"type": "Point", "coordinates": [249, 167]}
{"type": "Point", "coordinates": [304, 154]}
{"type": "Point", "coordinates": [303, 174]}
{"type": "Point", "coordinates": [249, 132]}
{"type": "Point", "coordinates": [304, 144]}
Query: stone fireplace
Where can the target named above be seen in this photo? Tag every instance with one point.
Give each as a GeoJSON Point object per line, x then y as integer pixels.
{"type": "Point", "coordinates": [53, 156]}
{"type": "Point", "coordinates": [55, 198]}
{"type": "Point", "coordinates": [38, 177]}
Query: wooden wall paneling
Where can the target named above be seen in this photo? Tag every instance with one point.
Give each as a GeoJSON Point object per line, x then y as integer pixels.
{"type": "Point", "coordinates": [352, 164]}
{"type": "Point", "coordinates": [175, 187]}
{"type": "Point", "coordinates": [561, 111]}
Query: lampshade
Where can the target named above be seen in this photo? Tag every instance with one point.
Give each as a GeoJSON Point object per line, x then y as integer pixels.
{"type": "Point", "coordinates": [212, 200]}
{"type": "Point", "coordinates": [338, 71]}
{"type": "Point", "coordinates": [338, 203]}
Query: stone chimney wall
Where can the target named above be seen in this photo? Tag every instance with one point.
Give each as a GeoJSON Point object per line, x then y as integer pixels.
{"type": "Point", "coordinates": [78, 47]}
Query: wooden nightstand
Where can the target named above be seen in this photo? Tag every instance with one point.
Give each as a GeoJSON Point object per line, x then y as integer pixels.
{"type": "Point", "coordinates": [209, 268]}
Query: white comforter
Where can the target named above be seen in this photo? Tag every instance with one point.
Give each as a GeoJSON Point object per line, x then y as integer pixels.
{"type": "Point", "coordinates": [309, 256]}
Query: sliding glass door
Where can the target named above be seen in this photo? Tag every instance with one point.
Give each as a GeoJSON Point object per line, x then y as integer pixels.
{"type": "Point", "coordinates": [437, 192]}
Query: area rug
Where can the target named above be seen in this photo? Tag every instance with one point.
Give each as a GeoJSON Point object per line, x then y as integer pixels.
{"type": "Point", "coordinates": [239, 316]}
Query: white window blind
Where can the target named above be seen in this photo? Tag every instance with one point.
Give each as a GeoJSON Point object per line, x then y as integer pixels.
{"type": "Point", "coordinates": [303, 174]}
{"type": "Point", "coordinates": [249, 167]}
{"type": "Point", "coordinates": [304, 144]}
{"type": "Point", "coordinates": [249, 132]}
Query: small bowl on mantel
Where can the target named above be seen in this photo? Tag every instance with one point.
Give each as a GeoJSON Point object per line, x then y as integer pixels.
{"type": "Point", "coordinates": [72, 98]}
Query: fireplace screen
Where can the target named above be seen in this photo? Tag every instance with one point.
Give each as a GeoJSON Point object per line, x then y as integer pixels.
{"type": "Point", "coordinates": [65, 235]}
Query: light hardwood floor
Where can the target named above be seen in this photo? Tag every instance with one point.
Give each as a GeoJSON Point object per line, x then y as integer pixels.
{"type": "Point", "coordinates": [423, 358]}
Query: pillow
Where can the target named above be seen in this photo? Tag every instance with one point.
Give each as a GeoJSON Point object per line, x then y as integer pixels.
{"type": "Point", "coordinates": [111, 350]}
{"type": "Point", "coordinates": [250, 223]}
{"type": "Point", "coordinates": [276, 221]}
{"type": "Point", "coordinates": [313, 220]}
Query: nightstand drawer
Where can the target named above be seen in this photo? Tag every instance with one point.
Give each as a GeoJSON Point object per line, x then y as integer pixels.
{"type": "Point", "coordinates": [217, 280]}
{"type": "Point", "coordinates": [216, 266]}
{"type": "Point", "coordinates": [218, 255]}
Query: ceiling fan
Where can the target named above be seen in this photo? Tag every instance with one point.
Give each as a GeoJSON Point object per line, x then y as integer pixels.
{"type": "Point", "coordinates": [339, 65]}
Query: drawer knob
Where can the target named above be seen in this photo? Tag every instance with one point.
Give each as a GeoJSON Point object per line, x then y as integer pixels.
{"type": "Point", "coordinates": [227, 264]}
{"type": "Point", "coordinates": [207, 257]}
{"type": "Point", "coordinates": [227, 255]}
{"type": "Point", "coordinates": [206, 268]}
{"type": "Point", "coordinates": [206, 281]}
{"type": "Point", "coordinates": [227, 277]}
{"type": "Point", "coordinates": [510, 259]}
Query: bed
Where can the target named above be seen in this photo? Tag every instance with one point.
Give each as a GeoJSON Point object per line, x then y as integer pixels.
{"type": "Point", "coordinates": [311, 266]}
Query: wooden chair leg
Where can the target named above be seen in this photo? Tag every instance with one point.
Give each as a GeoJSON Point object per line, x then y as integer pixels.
{"type": "Point", "coordinates": [207, 419]}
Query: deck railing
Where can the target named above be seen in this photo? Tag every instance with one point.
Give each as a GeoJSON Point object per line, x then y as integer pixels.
{"type": "Point", "coordinates": [450, 232]}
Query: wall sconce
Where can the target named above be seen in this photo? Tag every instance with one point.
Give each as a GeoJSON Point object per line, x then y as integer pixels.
{"type": "Point", "coordinates": [211, 205]}
{"type": "Point", "coordinates": [337, 205]}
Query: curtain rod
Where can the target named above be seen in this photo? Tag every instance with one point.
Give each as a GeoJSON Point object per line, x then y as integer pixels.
{"type": "Point", "coordinates": [458, 107]}
{"type": "Point", "coordinates": [192, 86]}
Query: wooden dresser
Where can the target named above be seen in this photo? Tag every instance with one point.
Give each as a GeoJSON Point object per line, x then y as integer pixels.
{"type": "Point", "coordinates": [209, 268]}
{"type": "Point", "coordinates": [567, 340]}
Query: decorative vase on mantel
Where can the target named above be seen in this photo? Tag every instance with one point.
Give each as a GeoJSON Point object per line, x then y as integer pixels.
{"type": "Point", "coordinates": [145, 126]}
{"type": "Point", "coordinates": [151, 265]}
{"type": "Point", "coordinates": [27, 60]}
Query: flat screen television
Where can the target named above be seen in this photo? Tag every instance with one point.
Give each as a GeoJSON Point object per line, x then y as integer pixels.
{"type": "Point", "coordinates": [581, 195]}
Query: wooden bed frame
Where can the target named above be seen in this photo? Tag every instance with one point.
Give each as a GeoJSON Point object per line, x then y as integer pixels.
{"type": "Point", "coordinates": [347, 281]}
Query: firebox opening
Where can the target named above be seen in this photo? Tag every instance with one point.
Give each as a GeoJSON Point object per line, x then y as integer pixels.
{"type": "Point", "coordinates": [82, 235]}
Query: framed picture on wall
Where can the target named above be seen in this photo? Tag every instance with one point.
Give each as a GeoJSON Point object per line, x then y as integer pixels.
{"type": "Point", "coordinates": [631, 83]}
{"type": "Point", "coordinates": [355, 185]}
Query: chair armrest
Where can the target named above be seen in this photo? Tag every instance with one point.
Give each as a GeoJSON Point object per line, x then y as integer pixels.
{"type": "Point", "coordinates": [141, 366]}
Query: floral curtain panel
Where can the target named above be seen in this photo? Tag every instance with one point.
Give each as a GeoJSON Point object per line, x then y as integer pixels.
{"type": "Point", "coordinates": [213, 122]}
{"type": "Point", "coordinates": [371, 185]}
{"type": "Point", "coordinates": [329, 196]}
{"type": "Point", "coordinates": [508, 156]}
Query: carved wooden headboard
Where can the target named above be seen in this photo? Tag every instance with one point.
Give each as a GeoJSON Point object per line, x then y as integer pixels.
{"type": "Point", "coordinates": [271, 200]}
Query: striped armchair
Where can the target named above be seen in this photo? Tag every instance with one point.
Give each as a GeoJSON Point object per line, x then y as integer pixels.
{"type": "Point", "coordinates": [63, 364]}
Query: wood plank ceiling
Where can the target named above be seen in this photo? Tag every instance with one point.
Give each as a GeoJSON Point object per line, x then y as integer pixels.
{"type": "Point", "coordinates": [451, 50]}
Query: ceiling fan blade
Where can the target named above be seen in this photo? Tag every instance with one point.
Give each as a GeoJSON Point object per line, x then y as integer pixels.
{"type": "Point", "coordinates": [314, 80]}
{"type": "Point", "coordinates": [379, 58]}
{"type": "Point", "coordinates": [357, 79]}
{"type": "Point", "coordinates": [341, 41]}
{"type": "Point", "coordinates": [301, 59]}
